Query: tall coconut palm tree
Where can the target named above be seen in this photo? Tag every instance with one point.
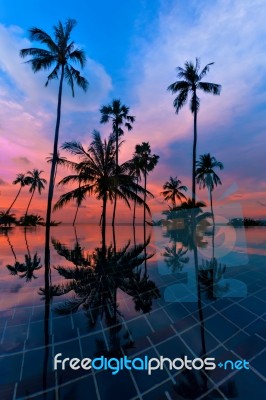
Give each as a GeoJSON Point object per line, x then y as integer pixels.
{"type": "Point", "coordinates": [190, 82]}
{"type": "Point", "coordinates": [206, 176]}
{"type": "Point", "coordinates": [147, 162]}
{"type": "Point", "coordinates": [97, 174]}
{"type": "Point", "coordinates": [173, 190]}
{"type": "Point", "coordinates": [59, 55]}
{"type": "Point", "coordinates": [21, 180]}
{"type": "Point", "coordinates": [118, 114]}
{"type": "Point", "coordinates": [35, 182]}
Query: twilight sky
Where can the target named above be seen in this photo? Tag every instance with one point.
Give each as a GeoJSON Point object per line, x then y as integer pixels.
{"type": "Point", "coordinates": [133, 48]}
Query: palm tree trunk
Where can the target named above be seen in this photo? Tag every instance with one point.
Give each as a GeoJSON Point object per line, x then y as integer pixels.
{"type": "Point", "coordinates": [26, 241]}
{"type": "Point", "coordinates": [11, 247]}
{"type": "Point", "coordinates": [194, 156]}
{"type": "Point", "coordinates": [145, 196]}
{"type": "Point", "coordinates": [14, 200]}
{"type": "Point", "coordinates": [116, 161]}
{"type": "Point", "coordinates": [114, 239]}
{"type": "Point", "coordinates": [212, 207]}
{"type": "Point", "coordinates": [135, 203]}
{"type": "Point", "coordinates": [104, 223]}
{"type": "Point", "coordinates": [52, 173]}
{"type": "Point", "coordinates": [201, 317]}
{"type": "Point", "coordinates": [26, 213]}
{"type": "Point", "coordinates": [114, 211]}
{"type": "Point", "coordinates": [74, 221]}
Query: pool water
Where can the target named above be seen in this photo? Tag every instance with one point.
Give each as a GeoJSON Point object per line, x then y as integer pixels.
{"type": "Point", "coordinates": [151, 294]}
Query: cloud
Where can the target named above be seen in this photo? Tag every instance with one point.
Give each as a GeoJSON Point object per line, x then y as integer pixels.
{"type": "Point", "coordinates": [28, 109]}
{"type": "Point", "coordinates": [2, 182]}
{"type": "Point", "coordinates": [231, 33]}
{"type": "Point", "coordinates": [21, 160]}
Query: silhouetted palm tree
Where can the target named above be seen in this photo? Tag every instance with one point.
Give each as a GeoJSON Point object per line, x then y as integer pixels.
{"type": "Point", "coordinates": [21, 180]}
{"type": "Point", "coordinates": [119, 115]}
{"type": "Point", "coordinates": [97, 174]}
{"type": "Point", "coordinates": [173, 190]}
{"type": "Point", "coordinates": [190, 83]}
{"type": "Point", "coordinates": [35, 182]}
{"type": "Point", "coordinates": [147, 162]}
{"type": "Point", "coordinates": [60, 52]}
{"type": "Point", "coordinates": [206, 177]}
{"type": "Point", "coordinates": [31, 220]}
{"type": "Point", "coordinates": [7, 219]}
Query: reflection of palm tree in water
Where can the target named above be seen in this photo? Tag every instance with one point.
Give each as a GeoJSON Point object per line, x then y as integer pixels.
{"type": "Point", "coordinates": [14, 268]}
{"type": "Point", "coordinates": [211, 272]}
{"type": "Point", "coordinates": [175, 259]}
{"type": "Point", "coordinates": [190, 234]}
{"type": "Point", "coordinates": [31, 264]}
{"type": "Point", "coordinates": [193, 384]}
{"type": "Point", "coordinates": [96, 279]}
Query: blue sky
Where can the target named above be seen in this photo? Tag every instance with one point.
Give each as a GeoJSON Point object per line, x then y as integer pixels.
{"type": "Point", "coordinates": [133, 48]}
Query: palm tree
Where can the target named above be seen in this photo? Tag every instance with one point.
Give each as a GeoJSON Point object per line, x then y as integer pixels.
{"type": "Point", "coordinates": [21, 180]}
{"type": "Point", "coordinates": [147, 163]}
{"type": "Point", "coordinates": [35, 182]}
{"type": "Point", "coordinates": [190, 82]}
{"type": "Point", "coordinates": [7, 219]}
{"type": "Point", "coordinates": [60, 52]}
{"type": "Point", "coordinates": [97, 174]}
{"type": "Point", "coordinates": [173, 190]}
{"type": "Point", "coordinates": [206, 177]}
{"type": "Point", "coordinates": [119, 115]}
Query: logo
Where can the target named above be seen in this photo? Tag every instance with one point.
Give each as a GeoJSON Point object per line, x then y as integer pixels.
{"type": "Point", "coordinates": [145, 364]}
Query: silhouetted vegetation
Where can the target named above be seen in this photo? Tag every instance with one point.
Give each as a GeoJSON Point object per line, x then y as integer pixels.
{"type": "Point", "coordinates": [239, 222]}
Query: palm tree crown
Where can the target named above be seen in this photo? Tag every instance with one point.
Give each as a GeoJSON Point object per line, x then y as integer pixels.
{"type": "Point", "coordinates": [59, 54]}
{"type": "Point", "coordinates": [190, 82]}
{"type": "Point", "coordinates": [35, 182]}
{"type": "Point", "coordinates": [118, 114]}
{"type": "Point", "coordinates": [206, 176]}
{"type": "Point", "coordinates": [173, 190]}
